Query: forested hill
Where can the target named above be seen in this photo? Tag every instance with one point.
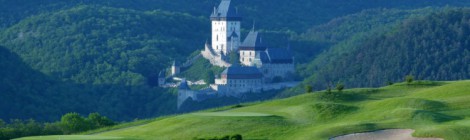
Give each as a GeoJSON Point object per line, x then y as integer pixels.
{"type": "Point", "coordinates": [27, 93]}
{"type": "Point", "coordinates": [101, 45]}
{"type": "Point", "coordinates": [305, 13]}
{"type": "Point", "coordinates": [432, 47]}
{"type": "Point", "coordinates": [103, 56]}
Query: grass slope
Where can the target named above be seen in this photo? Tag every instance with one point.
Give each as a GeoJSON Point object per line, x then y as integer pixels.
{"type": "Point", "coordinates": [433, 109]}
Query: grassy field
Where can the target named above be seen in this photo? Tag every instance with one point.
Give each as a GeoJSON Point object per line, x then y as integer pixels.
{"type": "Point", "coordinates": [433, 109]}
{"type": "Point", "coordinates": [71, 137]}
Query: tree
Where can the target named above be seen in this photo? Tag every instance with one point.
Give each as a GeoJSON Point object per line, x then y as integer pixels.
{"type": "Point", "coordinates": [72, 123]}
{"type": "Point", "coordinates": [234, 58]}
{"type": "Point", "coordinates": [340, 87]}
{"type": "Point", "coordinates": [210, 77]}
{"type": "Point", "coordinates": [409, 79]}
{"type": "Point", "coordinates": [328, 88]}
{"type": "Point", "coordinates": [97, 121]}
{"type": "Point", "coordinates": [237, 137]}
{"type": "Point", "coordinates": [308, 89]}
{"type": "Point", "coordinates": [2, 123]}
{"type": "Point", "coordinates": [52, 129]}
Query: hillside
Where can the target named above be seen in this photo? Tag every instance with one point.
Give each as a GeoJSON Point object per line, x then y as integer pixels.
{"type": "Point", "coordinates": [107, 54]}
{"type": "Point", "coordinates": [100, 45]}
{"type": "Point", "coordinates": [433, 109]}
{"type": "Point", "coordinates": [27, 93]}
{"type": "Point", "coordinates": [319, 11]}
{"type": "Point", "coordinates": [433, 47]}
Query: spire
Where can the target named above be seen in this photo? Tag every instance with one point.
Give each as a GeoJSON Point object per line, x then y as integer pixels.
{"type": "Point", "coordinates": [254, 23]}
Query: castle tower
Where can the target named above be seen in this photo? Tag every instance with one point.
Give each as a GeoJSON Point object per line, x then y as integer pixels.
{"type": "Point", "coordinates": [175, 69]}
{"type": "Point", "coordinates": [225, 28]}
{"type": "Point", "coordinates": [252, 48]}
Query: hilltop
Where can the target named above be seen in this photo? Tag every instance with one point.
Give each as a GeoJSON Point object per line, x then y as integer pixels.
{"type": "Point", "coordinates": [433, 109]}
{"type": "Point", "coordinates": [430, 46]}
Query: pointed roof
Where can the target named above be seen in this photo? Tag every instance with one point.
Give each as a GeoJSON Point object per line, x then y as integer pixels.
{"type": "Point", "coordinates": [233, 35]}
{"type": "Point", "coordinates": [176, 64]}
{"type": "Point", "coordinates": [161, 74]}
{"type": "Point", "coordinates": [184, 85]}
{"type": "Point", "coordinates": [253, 41]}
{"type": "Point", "coordinates": [225, 11]}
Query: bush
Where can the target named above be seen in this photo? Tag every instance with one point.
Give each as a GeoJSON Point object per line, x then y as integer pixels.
{"type": "Point", "coordinates": [340, 87]}
{"type": "Point", "coordinates": [409, 79]}
{"type": "Point", "coordinates": [237, 137]}
{"type": "Point", "coordinates": [73, 123]}
{"type": "Point", "coordinates": [308, 89]}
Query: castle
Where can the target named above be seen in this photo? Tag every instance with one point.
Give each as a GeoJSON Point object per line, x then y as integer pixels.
{"type": "Point", "coordinates": [259, 66]}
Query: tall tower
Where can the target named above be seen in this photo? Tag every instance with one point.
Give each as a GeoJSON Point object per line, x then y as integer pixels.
{"type": "Point", "coordinates": [225, 28]}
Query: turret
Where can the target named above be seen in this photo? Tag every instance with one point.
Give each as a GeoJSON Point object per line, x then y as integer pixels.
{"type": "Point", "coordinates": [175, 68]}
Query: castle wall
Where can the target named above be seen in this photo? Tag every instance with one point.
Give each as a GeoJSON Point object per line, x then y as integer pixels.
{"type": "Point", "coordinates": [271, 71]}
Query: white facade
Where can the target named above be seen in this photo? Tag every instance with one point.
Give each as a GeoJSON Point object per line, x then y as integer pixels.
{"type": "Point", "coordinates": [247, 57]}
{"type": "Point", "coordinates": [235, 87]}
{"type": "Point", "coordinates": [222, 39]}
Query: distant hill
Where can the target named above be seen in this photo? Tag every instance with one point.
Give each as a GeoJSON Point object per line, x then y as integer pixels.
{"type": "Point", "coordinates": [108, 53]}
{"type": "Point", "coordinates": [305, 13]}
{"type": "Point", "coordinates": [102, 45]}
{"type": "Point", "coordinates": [27, 93]}
{"type": "Point", "coordinates": [433, 109]}
{"type": "Point", "coordinates": [434, 47]}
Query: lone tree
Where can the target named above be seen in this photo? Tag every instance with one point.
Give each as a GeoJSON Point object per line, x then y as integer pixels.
{"type": "Point", "coordinates": [340, 87]}
{"type": "Point", "coordinates": [237, 137]}
{"type": "Point", "coordinates": [308, 89]}
{"type": "Point", "coordinates": [328, 88]}
{"type": "Point", "coordinates": [409, 79]}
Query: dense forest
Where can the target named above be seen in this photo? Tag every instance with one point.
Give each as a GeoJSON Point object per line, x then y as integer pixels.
{"type": "Point", "coordinates": [103, 56]}
{"type": "Point", "coordinates": [27, 93]}
{"type": "Point", "coordinates": [433, 47]}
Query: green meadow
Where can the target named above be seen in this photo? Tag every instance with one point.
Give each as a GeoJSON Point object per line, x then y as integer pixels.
{"type": "Point", "coordinates": [433, 109]}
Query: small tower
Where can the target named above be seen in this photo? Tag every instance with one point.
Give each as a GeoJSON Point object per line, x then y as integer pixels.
{"type": "Point", "coordinates": [225, 28]}
{"type": "Point", "coordinates": [175, 68]}
{"type": "Point", "coordinates": [161, 78]}
{"type": "Point", "coordinates": [184, 92]}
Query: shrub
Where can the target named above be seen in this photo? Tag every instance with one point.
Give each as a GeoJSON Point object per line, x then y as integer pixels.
{"type": "Point", "coordinates": [308, 89]}
{"type": "Point", "coordinates": [340, 87]}
{"type": "Point", "coordinates": [409, 79]}
{"type": "Point", "coordinates": [237, 137]}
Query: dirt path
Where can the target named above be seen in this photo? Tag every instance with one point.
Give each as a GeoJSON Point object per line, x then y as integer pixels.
{"type": "Point", "coordinates": [390, 134]}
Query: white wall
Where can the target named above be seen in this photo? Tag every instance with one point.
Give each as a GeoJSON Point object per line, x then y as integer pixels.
{"type": "Point", "coordinates": [247, 57]}
{"type": "Point", "coordinates": [220, 31]}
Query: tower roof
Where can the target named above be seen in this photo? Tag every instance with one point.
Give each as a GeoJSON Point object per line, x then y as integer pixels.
{"type": "Point", "coordinates": [233, 35]}
{"type": "Point", "coordinates": [252, 42]}
{"type": "Point", "coordinates": [161, 74]}
{"type": "Point", "coordinates": [184, 85]}
{"type": "Point", "coordinates": [225, 12]}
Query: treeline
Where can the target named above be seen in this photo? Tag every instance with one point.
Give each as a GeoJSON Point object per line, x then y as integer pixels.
{"type": "Point", "coordinates": [70, 123]}
{"type": "Point", "coordinates": [26, 93]}
{"type": "Point", "coordinates": [433, 47]}
{"type": "Point", "coordinates": [99, 45]}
